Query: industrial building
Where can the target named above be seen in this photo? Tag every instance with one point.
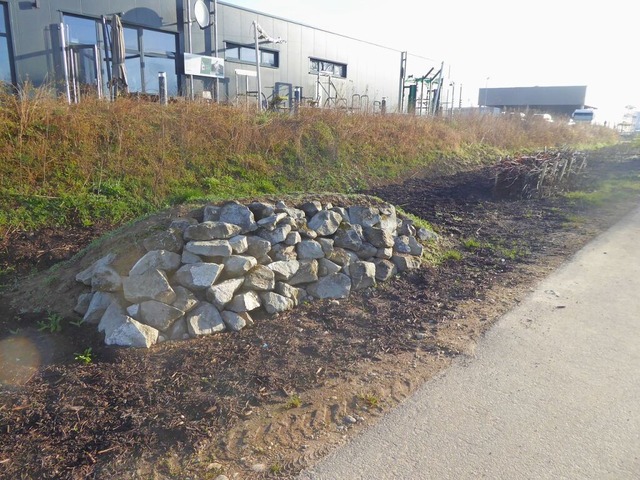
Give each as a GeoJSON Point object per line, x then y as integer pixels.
{"type": "Point", "coordinates": [204, 49]}
{"type": "Point", "coordinates": [559, 100]}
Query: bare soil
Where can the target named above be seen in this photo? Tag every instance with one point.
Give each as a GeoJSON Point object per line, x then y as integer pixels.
{"type": "Point", "coordinates": [272, 399]}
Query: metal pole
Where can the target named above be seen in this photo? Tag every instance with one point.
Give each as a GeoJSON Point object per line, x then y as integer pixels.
{"type": "Point", "coordinates": [453, 95]}
{"type": "Point", "coordinates": [65, 64]}
{"type": "Point", "coordinates": [255, 34]}
{"type": "Point", "coordinates": [403, 67]}
{"type": "Point", "coordinates": [189, 29]}
{"type": "Point", "coordinates": [162, 88]}
{"type": "Point", "coordinates": [216, 84]}
{"type": "Point", "coordinates": [460, 98]}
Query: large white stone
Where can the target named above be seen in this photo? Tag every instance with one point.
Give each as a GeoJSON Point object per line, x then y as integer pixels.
{"type": "Point", "coordinates": [205, 319]}
{"type": "Point", "coordinates": [238, 214]}
{"type": "Point", "coordinates": [309, 249]}
{"type": "Point", "coordinates": [284, 269]}
{"type": "Point", "coordinates": [325, 222]}
{"type": "Point", "coordinates": [244, 302]}
{"type": "Point", "coordinates": [363, 275]}
{"type": "Point", "coordinates": [85, 275]}
{"type": "Point", "coordinates": [333, 286]}
{"type": "Point", "coordinates": [100, 301]}
{"type": "Point", "coordinates": [238, 265]}
{"type": "Point", "coordinates": [275, 303]}
{"type": "Point", "coordinates": [212, 231]}
{"type": "Point", "coordinates": [151, 285]}
{"type": "Point", "coordinates": [260, 278]}
{"type": "Point", "coordinates": [235, 321]}
{"type": "Point", "coordinates": [198, 276]}
{"type": "Point", "coordinates": [158, 260]}
{"type": "Point", "coordinates": [223, 292]}
{"type": "Point", "coordinates": [209, 248]}
{"type": "Point", "coordinates": [158, 315]}
{"type": "Point", "coordinates": [132, 333]}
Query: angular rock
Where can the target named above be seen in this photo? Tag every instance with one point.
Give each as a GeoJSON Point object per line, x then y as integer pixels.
{"type": "Point", "coordinates": [284, 269]}
{"type": "Point", "coordinates": [198, 276]}
{"type": "Point", "coordinates": [378, 237]}
{"type": "Point", "coordinates": [405, 227]}
{"type": "Point", "coordinates": [348, 238]}
{"type": "Point", "coordinates": [211, 213]}
{"type": "Point", "coordinates": [223, 292]}
{"type": "Point", "coordinates": [363, 275]}
{"type": "Point", "coordinates": [385, 253]}
{"type": "Point", "coordinates": [270, 222]}
{"type": "Point", "coordinates": [339, 256]}
{"type": "Point", "coordinates": [260, 278]}
{"type": "Point", "coordinates": [132, 333]}
{"type": "Point", "coordinates": [385, 269]}
{"type": "Point", "coordinates": [169, 240]}
{"type": "Point", "coordinates": [294, 293]}
{"type": "Point", "coordinates": [114, 316]}
{"type": "Point", "coordinates": [307, 273]}
{"type": "Point", "coordinates": [278, 235]}
{"type": "Point", "coordinates": [178, 330]}
{"type": "Point", "coordinates": [238, 244]}
{"type": "Point", "coordinates": [84, 300]}
{"type": "Point", "coordinates": [238, 214]}
{"type": "Point", "coordinates": [309, 249]}
{"type": "Point", "coordinates": [311, 208]}
{"type": "Point", "coordinates": [388, 218]}
{"type": "Point", "coordinates": [188, 257]}
{"type": "Point", "coordinates": [180, 224]}
{"type": "Point", "coordinates": [85, 275]}
{"type": "Point", "coordinates": [415, 248]}
{"type": "Point", "coordinates": [185, 299]}
{"type": "Point", "coordinates": [158, 260]}
{"type": "Point", "coordinates": [261, 210]}
{"type": "Point", "coordinates": [133, 311]}
{"type": "Point", "coordinates": [238, 265]}
{"type": "Point", "coordinates": [158, 315]}
{"type": "Point", "coordinates": [327, 267]}
{"type": "Point", "coordinates": [327, 245]}
{"type": "Point", "coordinates": [282, 253]}
{"type": "Point", "coordinates": [333, 286]}
{"type": "Point", "coordinates": [105, 279]}
{"type": "Point", "coordinates": [293, 238]}
{"type": "Point", "coordinates": [235, 321]}
{"type": "Point", "coordinates": [209, 248]}
{"type": "Point", "coordinates": [205, 319]}
{"type": "Point", "coordinates": [257, 247]}
{"type": "Point", "coordinates": [365, 216]}
{"type": "Point", "coordinates": [307, 232]}
{"type": "Point", "coordinates": [275, 303]}
{"type": "Point", "coordinates": [244, 302]}
{"type": "Point", "coordinates": [325, 222]}
{"type": "Point", "coordinates": [151, 285]}
{"type": "Point", "coordinates": [406, 262]}
{"type": "Point", "coordinates": [401, 244]}
{"type": "Point", "coordinates": [212, 231]}
{"type": "Point", "coordinates": [367, 251]}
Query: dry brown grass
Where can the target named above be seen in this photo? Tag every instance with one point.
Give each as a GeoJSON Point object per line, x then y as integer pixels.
{"type": "Point", "coordinates": [138, 155]}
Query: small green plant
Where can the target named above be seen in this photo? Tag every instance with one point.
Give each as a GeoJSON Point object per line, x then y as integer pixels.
{"type": "Point", "coordinates": [85, 357]}
{"type": "Point", "coordinates": [51, 324]}
{"type": "Point", "coordinates": [371, 401]}
{"type": "Point", "coordinates": [275, 469]}
{"type": "Point", "coordinates": [471, 243]}
{"type": "Point", "coordinates": [454, 255]}
{"type": "Point", "coordinates": [77, 323]}
{"type": "Point", "coordinates": [294, 401]}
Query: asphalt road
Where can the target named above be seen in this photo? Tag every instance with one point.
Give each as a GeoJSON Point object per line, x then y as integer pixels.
{"type": "Point", "coordinates": [553, 391]}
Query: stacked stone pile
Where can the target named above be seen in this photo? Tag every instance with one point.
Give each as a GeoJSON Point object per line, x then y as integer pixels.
{"type": "Point", "coordinates": [200, 278]}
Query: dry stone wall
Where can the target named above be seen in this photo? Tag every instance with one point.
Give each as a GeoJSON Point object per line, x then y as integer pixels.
{"type": "Point", "coordinates": [210, 276]}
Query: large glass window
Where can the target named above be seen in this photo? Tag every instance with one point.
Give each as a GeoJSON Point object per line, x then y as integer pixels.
{"type": "Point", "coordinates": [150, 52]}
{"type": "Point", "coordinates": [332, 68]}
{"type": "Point", "coordinates": [245, 53]}
{"type": "Point", "coordinates": [5, 46]}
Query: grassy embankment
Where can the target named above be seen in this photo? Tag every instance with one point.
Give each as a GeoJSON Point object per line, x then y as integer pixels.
{"type": "Point", "coordinates": [62, 164]}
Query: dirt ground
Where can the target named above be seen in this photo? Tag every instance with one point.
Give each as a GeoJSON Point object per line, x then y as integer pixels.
{"type": "Point", "coordinates": [272, 399]}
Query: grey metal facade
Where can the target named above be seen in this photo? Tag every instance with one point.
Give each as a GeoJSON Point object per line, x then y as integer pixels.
{"type": "Point", "coordinates": [157, 36]}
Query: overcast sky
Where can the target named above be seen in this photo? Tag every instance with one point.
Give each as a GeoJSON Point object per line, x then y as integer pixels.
{"type": "Point", "coordinates": [513, 43]}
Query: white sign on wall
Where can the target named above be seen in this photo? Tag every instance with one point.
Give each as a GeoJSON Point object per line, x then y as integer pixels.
{"type": "Point", "coordinates": [203, 66]}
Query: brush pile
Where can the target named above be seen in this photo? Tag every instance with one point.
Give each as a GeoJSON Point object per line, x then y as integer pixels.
{"type": "Point", "coordinates": [539, 175]}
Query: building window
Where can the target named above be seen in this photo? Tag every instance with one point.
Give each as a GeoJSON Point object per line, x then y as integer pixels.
{"type": "Point", "coordinates": [331, 68]}
{"type": "Point", "coordinates": [148, 52]}
{"type": "Point", "coordinates": [6, 74]}
{"type": "Point", "coordinates": [244, 53]}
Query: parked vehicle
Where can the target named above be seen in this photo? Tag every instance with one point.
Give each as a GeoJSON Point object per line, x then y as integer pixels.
{"type": "Point", "coordinates": [582, 115]}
